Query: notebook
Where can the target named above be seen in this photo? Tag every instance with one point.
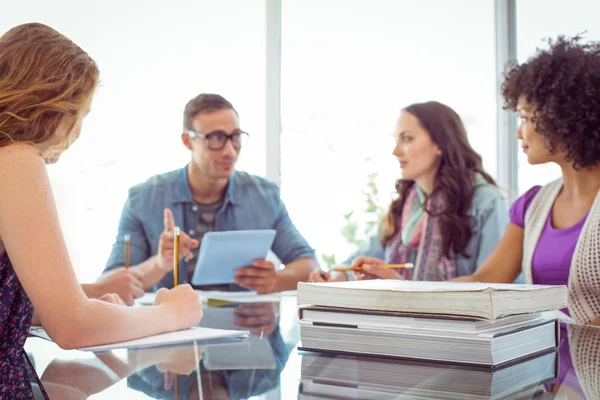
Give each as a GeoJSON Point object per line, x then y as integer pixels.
{"type": "Point", "coordinates": [221, 253]}
{"type": "Point", "coordinates": [483, 300]}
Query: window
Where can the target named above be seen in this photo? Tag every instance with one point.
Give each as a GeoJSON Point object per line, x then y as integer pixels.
{"type": "Point", "coordinates": [537, 20]}
{"type": "Point", "coordinates": [153, 58]}
{"type": "Point", "coordinates": [347, 70]}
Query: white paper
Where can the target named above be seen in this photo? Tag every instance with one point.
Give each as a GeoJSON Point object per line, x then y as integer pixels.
{"type": "Point", "coordinates": [187, 335]}
{"type": "Point", "coordinates": [38, 331]}
{"type": "Point", "coordinates": [237, 297]}
{"type": "Point", "coordinates": [428, 286]}
{"type": "Point", "coordinates": [146, 300]}
{"type": "Point", "coordinates": [246, 298]}
{"type": "Point", "coordinates": [288, 293]}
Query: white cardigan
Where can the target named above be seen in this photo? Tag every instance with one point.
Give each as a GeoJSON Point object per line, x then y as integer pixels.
{"type": "Point", "coordinates": [584, 274]}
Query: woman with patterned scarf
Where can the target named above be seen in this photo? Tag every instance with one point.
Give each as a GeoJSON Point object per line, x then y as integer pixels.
{"type": "Point", "coordinates": [449, 214]}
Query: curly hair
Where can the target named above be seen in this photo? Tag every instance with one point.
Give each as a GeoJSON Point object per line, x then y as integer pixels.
{"type": "Point", "coordinates": [563, 84]}
{"type": "Point", "coordinates": [45, 79]}
{"type": "Point", "coordinates": [453, 182]}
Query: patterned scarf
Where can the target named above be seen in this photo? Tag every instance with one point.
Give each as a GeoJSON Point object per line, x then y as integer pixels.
{"type": "Point", "coordinates": [419, 241]}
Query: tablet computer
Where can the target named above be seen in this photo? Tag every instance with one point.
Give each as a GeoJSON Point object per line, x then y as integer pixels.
{"type": "Point", "coordinates": [221, 253]}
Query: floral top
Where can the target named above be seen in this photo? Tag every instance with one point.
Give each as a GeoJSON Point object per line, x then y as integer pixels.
{"type": "Point", "coordinates": [16, 312]}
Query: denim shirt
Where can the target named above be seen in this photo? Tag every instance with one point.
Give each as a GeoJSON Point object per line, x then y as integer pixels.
{"type": "Point", "coordinates": [250, 202]}
{"type": "Point", "coordinates": [489, 213]}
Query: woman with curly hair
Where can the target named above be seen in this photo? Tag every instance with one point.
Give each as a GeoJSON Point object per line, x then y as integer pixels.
{"type": "Point", "coordinates": [46, 87]}
{"type": "Point", "coordinates": [554, 234]}
{"type": "Point", "coordinates": [449, 215]}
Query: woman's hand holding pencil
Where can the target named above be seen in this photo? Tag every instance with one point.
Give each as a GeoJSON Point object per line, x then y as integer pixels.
{"type": "Point", "coordinates": [363, 268]}
{"type": "Point", "coordinates": [374, 268]}
{"type": "Point", "coordinates": [183, 304]}
{"type": "Point", "coordinates": [322, 276]}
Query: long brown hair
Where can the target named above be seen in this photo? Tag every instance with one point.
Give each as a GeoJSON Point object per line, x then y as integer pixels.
{"type": "Point", "coordinates": [453, 181]}
{"type": "Point", "coordinates": [45, 79]}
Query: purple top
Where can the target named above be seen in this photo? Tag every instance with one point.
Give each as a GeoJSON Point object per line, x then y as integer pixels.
{"type": "Point", "coordinates": [554, 251]}
{"type": "Point", "coordinates": [16, 312]}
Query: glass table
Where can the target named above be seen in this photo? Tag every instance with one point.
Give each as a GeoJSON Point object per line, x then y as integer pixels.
{"type": "Point", "coordinates": [269, 366]}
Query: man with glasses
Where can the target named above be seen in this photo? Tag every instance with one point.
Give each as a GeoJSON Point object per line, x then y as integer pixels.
{"type": "Point", "coordinates": [208, 195]}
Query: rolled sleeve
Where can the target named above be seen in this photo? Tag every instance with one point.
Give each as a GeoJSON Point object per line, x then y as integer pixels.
{"type": "Point", "coordinates": [494, 221]}
{"type": "Point", "coordinates": [368, 248]}
{"type": "Point", "coordinates": [289, 244]}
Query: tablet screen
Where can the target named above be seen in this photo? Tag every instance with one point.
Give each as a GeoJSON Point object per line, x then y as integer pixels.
{"type": "Point", "coordinates": [221, 253]}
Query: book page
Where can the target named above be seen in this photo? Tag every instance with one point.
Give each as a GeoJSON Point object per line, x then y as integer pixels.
{"type": "Point", "coordinates": [423, 286]}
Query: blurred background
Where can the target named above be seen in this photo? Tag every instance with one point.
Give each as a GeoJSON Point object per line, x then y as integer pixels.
{"type": "Point", "coordinates": [318, 84]}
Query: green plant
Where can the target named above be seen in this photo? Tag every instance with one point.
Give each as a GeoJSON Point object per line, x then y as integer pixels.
{"type": "Point", "coordinates": [363, 222]}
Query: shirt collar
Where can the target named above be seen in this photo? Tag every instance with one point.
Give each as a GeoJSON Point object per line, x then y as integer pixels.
{"type": "Point", "coordinates": [183, 194]}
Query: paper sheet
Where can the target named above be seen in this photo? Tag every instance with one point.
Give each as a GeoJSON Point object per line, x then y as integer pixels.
{"type": "Point", "coordinates": [235, 297]}
{"type": "Point", "coordinates": [245, 298]}
{"type": "Point", "coordinates": [188, 335]}
{"type": "Point", "coordinates": [428, 286]}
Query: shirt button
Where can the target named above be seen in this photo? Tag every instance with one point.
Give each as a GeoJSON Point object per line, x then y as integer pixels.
{"type": "Point", "coordinates": [192, 232]}
{"type": "Point", "coordinates": [194, 208]}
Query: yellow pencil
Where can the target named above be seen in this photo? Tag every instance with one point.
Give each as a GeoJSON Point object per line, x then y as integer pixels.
{"type": "Point", "coordinates": [388, 266]}
{"type": "Point", "coordinates": [176, 232]}
{"type": "Point", "coordinates": [127, 250]}
{"type": "Point", "coordinates": [176, 387]}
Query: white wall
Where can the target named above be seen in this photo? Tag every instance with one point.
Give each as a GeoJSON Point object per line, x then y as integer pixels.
{"type": "Point", "coordinates": [153, 56]}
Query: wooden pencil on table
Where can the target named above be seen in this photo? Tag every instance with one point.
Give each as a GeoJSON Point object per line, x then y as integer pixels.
{"type": "Point", "coordinates": [388, 266]}
{"type": "Point", "coordinates": [127, 250]}
{"type": "Point", "coordinates": [176, 232]}
{"type": "Point", "coordinates": [176, 387]}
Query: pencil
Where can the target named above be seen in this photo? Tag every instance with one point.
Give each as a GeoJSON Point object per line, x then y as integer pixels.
{"type": "Point", "coordinates": [388, 266]}
{"type": "Point", "coordinates": [176, 387]}
{"type": "Point", "coordinates": [176, 232]}
{"type": "Point", "coordinates": [127, 250]}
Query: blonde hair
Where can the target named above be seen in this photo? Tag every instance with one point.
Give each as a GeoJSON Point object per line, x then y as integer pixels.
{"type": "Point", "coordinates": [45, 79]}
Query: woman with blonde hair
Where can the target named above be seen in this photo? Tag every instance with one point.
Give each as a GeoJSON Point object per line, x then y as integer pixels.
{"type": "Point", "coordinates": [46, 87]}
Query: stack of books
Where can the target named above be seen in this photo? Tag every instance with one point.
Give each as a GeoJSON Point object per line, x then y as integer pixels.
{"type": "Point", "coordinates": [471, 324]}
{"type": "Point", "coordinates": [325, 376]}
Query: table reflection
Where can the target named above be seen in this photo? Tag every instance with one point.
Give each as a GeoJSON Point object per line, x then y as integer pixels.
{"type": "Point", "coordinates": [268, 362]}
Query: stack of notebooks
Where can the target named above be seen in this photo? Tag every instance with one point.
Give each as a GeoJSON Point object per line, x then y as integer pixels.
{"type": "Point", "coordinates": [472, 324]}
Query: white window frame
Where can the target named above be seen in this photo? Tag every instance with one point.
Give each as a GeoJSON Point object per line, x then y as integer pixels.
{"type": "Point", "coordinates": [506, 51]}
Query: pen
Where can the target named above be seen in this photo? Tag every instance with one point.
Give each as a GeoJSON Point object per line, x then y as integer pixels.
{"type": "Point", "coordinates": [127, 250]}
{"type": "Point", "coordinates": [176, 232]}
{"type": "Point", "coordinates": [388, 266]}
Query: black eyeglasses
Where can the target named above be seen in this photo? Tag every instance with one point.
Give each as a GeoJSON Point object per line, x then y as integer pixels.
{"type": "Point", "coordinates": [216, 140]}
